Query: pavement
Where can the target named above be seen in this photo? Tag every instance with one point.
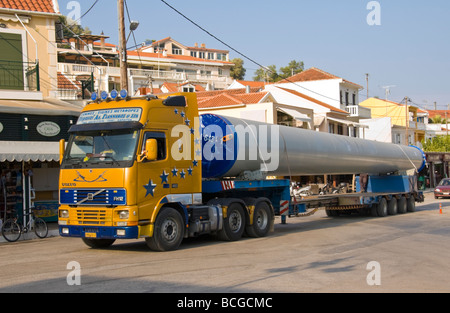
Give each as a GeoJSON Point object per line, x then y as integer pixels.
{"type": "Point", "coordinates": [53, 231]}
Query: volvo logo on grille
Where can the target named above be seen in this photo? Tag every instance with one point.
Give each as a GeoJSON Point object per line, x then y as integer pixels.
{"type": "Point", "coordinates": [90, 196]}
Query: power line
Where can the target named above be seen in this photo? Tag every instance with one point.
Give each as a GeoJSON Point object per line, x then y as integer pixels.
{"type": "Point", "coordinates": [245, 56]}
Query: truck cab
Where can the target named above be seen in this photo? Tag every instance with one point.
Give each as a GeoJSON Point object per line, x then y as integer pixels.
{"type": "Point", "coordinates": [125, 159]}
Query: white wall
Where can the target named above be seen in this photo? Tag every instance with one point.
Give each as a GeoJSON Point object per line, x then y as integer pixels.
{"type": "Point", "coordinates": [379, 129]}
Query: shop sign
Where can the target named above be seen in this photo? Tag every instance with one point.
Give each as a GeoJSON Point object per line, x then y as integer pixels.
{"type": "Point", "coordinates": [1, 127]}
{"type": "Point", "coordinates": [434, 158]}
{"type": "Point", "coordinates": [110, 116]}
{"type": "Point", "coordinates": [48, 129]}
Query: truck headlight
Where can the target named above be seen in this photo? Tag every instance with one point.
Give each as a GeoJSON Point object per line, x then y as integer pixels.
{"type": "Point", "coordinates": [124, 215]}
{"type": "Point", "coordinates": [64, 213]}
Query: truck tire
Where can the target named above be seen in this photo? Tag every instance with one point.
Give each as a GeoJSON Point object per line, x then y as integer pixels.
{"type": "Point", "coordinates": [233, 224]}
{"type": "Point", "coordinates": [98, 243]}
{"type": "Point", "coordinates": [411, 204]}
{"type": "Point", "coordinates": [382, 208]}
{"type": "Point", "coordinates": [401, 205]}
{"type": "Point", "coordinates": [261, 221]}
{"type": "Point", "coordinates": [392, 206]}
{"type": "Point", "coordinates": [168, 232]}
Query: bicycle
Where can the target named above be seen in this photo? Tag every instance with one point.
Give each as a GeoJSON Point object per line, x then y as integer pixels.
{"type": "Point", "coordinates": [12, 229]}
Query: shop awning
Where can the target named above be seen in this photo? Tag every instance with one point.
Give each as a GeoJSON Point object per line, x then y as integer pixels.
{"type": "Point", "coordinates": [295, 114]}
{"type": "Point", "coordinates": [43, 107]}
{"type": "Point", "coordinates": [348, 123]}
{"type": "Point", "coordinates": [28, 151]}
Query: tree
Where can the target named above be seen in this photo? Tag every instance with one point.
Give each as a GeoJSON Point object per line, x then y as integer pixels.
{"type": "Point", "coordinates": [437, 120]}
{"type": "Point", "coordinates": [437, 144]}
{"type": "Point", "coordinates": [272, 75]}
{"type": "Point", "coordinates": [238, 71]}
{"type": "Point", "coordinates": [293, 68]}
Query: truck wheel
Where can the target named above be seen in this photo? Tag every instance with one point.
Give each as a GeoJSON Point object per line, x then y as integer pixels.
{"type": "Point", "coordinates": [392, 206]}
{"type": "Point", "coordinates": [261, 221]}
{"type": "Point", "coordinates": [233, 224]}
{"type": "Point", "coordinates": [411, 204]}
{"type": "Point", "coordinates": [98, 243]}
{"type": "Point", "coordinates": [169, 231]}
{"type": "Point", "coordinates": [401, 205]}
{"type": "Point", "coordinates": [382, 208]}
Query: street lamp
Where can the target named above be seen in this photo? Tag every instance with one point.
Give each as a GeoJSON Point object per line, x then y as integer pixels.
{"type": "Point", "coordinates": [134, 25]}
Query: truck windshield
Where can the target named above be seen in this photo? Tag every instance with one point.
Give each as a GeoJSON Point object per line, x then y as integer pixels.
{"type": "Point", "coordinates": [104, 148]}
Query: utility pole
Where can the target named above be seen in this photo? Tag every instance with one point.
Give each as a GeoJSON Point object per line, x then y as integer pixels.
{"type": "Point", "coordinates": [407, 121]}
{"type": "Point", "coordinates": [367, 84]}
{"type": "Point", "coordinates": [122, 46]}
{"type": "Point", "coordinates": [446, 117]}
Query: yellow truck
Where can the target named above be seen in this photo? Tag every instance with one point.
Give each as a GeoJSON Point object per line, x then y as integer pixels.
{"type": "Point", "coordinates": [151, 167]}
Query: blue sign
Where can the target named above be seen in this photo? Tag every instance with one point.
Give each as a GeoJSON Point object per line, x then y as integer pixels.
{"type": "Point", "coordinates": [123, 93]}
{"type": "Point", "coordinates": [104, 95]}
{"type": "Point", "coordinates": [94, 96]}
{"type": "Point", "coordinates": [114, 94]}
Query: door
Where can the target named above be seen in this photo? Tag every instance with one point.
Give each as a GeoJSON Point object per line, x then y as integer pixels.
{"type": "Point", "coordinates": [154, 177]}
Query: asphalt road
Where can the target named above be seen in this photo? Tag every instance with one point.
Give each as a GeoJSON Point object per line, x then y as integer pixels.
{"type": "Point", "coordinates": [309, 254]}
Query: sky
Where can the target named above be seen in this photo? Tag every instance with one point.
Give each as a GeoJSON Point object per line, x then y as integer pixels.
{"type": "Point", "coordinates": [407, 50]}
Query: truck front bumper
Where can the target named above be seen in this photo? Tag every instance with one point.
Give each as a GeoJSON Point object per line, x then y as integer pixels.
{"type": "Point", "coordinates": [98, 232]}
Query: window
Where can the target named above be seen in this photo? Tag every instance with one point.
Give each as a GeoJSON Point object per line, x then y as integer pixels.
{"type": "Point", "coordinates": [194, 54]}
{"type": "Point", "coordinates": [354, 99]}
{"type": "Point", "coordinates": [210, 56]}
{"type": "Point", "coordinates": [346, 98]}
{"type": "Point", "coordinates": [201, 55]}
{"type": "Point", "coordinates": [331, 128]}
{"type": "Point", "coordinates": [11, 63]}
{"type": "Point", "coordinates": [161, 141]}
{"type": "Point", "coordinates": [176, 50]}
{"type": "Point", "coordinates": [188, 89]}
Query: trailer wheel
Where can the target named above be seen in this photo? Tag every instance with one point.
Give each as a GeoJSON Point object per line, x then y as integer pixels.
{"type": "Point", "coordinates": [411, 204]}
{"type": "Point", "coordinates": [261, 221]}
{"type": "Point", "coordinates": [169, 231]}
{"type": "Point", "coordinates": [392, 206]}
{"type": "Point", "coordinates": [401, 205]}
{"type": "Point", "coordinates": [233, 224]}
{"type": "Point", "coordinates": [382, 208]}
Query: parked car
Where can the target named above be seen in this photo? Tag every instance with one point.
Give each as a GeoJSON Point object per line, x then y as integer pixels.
{"type": "Point", "coordinates": [443, 189]}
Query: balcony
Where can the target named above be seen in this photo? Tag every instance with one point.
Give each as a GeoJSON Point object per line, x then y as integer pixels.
{"type": "Point", "coordinates": [357, 111]}
{"type": "Point", "coordinates": [71, 69]}
{"type": "Point", "coordinates": [417, 125]}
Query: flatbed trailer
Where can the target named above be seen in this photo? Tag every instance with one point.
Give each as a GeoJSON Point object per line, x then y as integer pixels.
{"type": "Point", "coordinates": [398, 196]}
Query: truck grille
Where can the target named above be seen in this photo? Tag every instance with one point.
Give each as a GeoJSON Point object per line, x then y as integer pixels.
{"type": "Point", "coordinates": [103, 197]}
{"type": "Point", "coordinates": [93, 217]}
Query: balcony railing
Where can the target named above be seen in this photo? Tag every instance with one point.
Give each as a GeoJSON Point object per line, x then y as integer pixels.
{"type": "Point", "coordinates": [171, 76]}
{"type": "Point", "coordinates": [19, 76]}
{"type": "Point", "coordinates": [357, 111]}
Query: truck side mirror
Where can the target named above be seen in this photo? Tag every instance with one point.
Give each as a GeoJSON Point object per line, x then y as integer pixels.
{"type": "Point", "coordinates": [62, 150]}
{"type": "Point", "coordinates": [151, 146]}
{"type": "Point", "coordinates": [150, 151]}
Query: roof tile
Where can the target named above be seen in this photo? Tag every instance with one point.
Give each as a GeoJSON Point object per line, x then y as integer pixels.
{"type": "Point", "coordinates": [45, 6]}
